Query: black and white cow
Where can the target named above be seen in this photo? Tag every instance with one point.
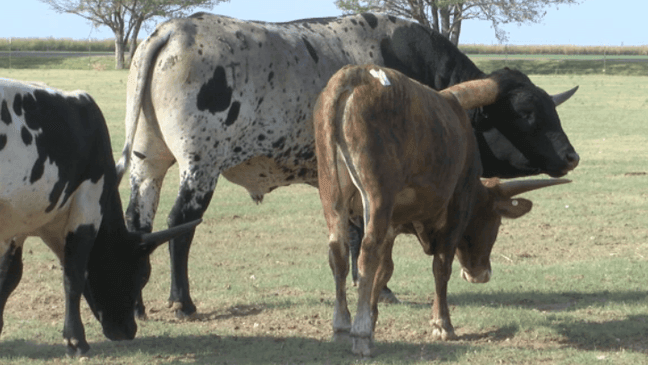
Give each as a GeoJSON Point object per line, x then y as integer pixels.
{"type": "Point", "coordinates": [228, 97]}
{"type": "Point", "coordinates": [58, 182]}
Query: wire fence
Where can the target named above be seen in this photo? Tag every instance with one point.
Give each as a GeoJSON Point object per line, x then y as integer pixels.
{"type": "Point", "coordinates": [629, 60]}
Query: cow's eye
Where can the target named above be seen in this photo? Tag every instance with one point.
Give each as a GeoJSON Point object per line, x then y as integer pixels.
{"type": "Point", "coordinates": [529, 117]}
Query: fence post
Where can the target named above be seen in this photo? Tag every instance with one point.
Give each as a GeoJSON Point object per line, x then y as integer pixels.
{"type": "Point", "coordinates": [89, 55]}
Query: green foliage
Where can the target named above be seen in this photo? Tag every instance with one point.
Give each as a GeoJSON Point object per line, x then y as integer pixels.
{"type": "Point", "coordinates": [357, 6]}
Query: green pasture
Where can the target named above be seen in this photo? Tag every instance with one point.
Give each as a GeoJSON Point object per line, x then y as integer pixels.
{"type": "Point", "coordinates": [570, 282]}
{"type": "Point", "coordinates": [532, 64]}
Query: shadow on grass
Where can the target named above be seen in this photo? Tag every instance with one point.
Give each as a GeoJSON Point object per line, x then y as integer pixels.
{"type": "Point", "coordinates": [628, 334]}
{"type": "Point", "coordinates": [548, 301]}
{"type": "Point", "coordinates": [577, 316]}
{"type": "Point", "coordinates": [212, 349]}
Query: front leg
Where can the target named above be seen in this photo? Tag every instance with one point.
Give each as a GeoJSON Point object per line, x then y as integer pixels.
{"type": "Point", "coordinates": [11, 269]}
{"type": "Point", "coordinates": [78, 245]}
{"type": "Point", "coordinates": [442, 328]}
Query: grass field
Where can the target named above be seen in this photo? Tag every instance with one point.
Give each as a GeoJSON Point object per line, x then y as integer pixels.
{"type": "Point", "coordinates": [570, 281]}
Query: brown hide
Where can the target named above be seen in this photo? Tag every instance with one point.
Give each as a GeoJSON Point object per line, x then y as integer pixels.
{"type": "Point", "coordinates": [405, 156]}
{"type": "Point", "coordinates": [411, 154]}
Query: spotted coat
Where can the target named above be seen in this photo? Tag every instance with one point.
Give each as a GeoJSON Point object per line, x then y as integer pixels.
{"type": "Point", "coordinates": [59, 183]}
{"type": "Point", "coordinates": [411, 156]}
{"type": "Point", "coordinates": [228, 97]}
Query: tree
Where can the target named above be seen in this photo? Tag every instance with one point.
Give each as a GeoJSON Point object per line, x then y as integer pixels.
{"type": "Point", "coordinates": [126, 17]}
{"type": "Point", "coordinates": [445, 16]}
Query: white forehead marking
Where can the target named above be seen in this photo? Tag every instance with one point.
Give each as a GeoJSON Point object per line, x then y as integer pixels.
{"type": "Point", "coordinates": [380, 75]}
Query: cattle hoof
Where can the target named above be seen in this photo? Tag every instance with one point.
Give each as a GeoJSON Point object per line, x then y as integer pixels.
{"type": "Point", "coordinates": [77, 351]}
{"type": "Point", "coordinates": [140, 314]}
{"type": "Point", "coordinates": [441, 334]}
{"type": "Point", "coordinates": [387, 296]}
{"type": "Point", "coordinates": [341, 337]}
{"type": "Point", "coordinates": [362, 346]}
{"type": "Point", "coordinates": [182, 311]}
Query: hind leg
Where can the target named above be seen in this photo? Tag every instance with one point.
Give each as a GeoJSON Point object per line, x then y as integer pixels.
{"type": "Point", "coordinates": [372, 265]}
{"type": "Point", "coordinates": [339, 263]}
{"type": "Point", "coordinates": [11, 269]}
{"type": "Point", "coordinates": [149, 166]}
{"type": "Point", "coordinates": [196, 189]}
{"type": "Point", "coordinates": [356, 232]}
{"type": "Point", "coordinates": [335, 192]}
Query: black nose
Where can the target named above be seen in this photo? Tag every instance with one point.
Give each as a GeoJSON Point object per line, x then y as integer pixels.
{"type": "Point", "coordinates": [121, 332]}
{"type": "Point", "coordinates": [572, 159]}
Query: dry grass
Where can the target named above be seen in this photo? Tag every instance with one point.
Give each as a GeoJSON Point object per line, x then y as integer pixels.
{"type": "Point", "coordinates": [569, 282]}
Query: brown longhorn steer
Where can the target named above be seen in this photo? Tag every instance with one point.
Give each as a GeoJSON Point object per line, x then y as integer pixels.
{"type": "Point", "coordinates": [411, 154]}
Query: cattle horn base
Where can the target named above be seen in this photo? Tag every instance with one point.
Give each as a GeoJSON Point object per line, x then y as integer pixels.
{"type": "Point", "coordinates": [474, 94]}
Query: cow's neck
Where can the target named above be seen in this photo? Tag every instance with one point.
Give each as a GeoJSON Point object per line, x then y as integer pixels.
{"type": "Point", "coordinates": [446, 64]}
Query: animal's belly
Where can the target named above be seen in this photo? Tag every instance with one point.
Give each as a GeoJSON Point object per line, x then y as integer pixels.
{"type": "Point", "coordinates": [24, 204]}
{"type": "Point", "coordinates": [260, 175]}
{"type": "Point", "coordinates": [21, 216]}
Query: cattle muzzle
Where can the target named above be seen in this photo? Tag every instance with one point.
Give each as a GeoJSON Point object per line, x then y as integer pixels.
{"type": "Point", "coordinates": [572, 160]}
{"type": "Point", "coordinates": [120, 332]}
{"type": "Point", "coordinates": [482, 277]}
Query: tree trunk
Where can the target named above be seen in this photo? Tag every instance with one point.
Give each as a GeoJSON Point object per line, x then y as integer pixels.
{"type": "Point", "coordinates": [119, 50]}
{"type": "Point", "coordinates": [456, 24]}
{"type": "Point", "coordinates": [133, 41]}
{"type": "Point", "coordinates": [417, 11]}
{"type": "Point", "coordinates": [435, 18]}
{"type": "Point", "coordinates": [444, 12]}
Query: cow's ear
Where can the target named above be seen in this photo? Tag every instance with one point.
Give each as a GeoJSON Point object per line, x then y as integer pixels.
{"type": "Point", "coordinates": [480, 119]}
{"type": "Point", "coordinates": [150, 241]}
{"type": "Point", "coordinates": [513, 208]}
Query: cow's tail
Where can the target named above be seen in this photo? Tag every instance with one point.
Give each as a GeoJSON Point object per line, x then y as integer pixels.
{"type": "Point", "coordinates": [333, 142]}
{"type": "Point", "coordinates": [144, 61]}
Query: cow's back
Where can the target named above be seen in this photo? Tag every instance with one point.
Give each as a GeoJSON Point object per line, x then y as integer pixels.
{"type": "Point", "coordinates": [420, 142]}
{"type": "Point", "coordinates": [51, 142]}
{"type": "Point", "coordinates": [230, 91]}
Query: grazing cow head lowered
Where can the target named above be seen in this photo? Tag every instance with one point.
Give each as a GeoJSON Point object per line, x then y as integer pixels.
{"type": "Point", "coordinates": [408, 154]}
{"type": "Point", "coordinates": [59, 183]}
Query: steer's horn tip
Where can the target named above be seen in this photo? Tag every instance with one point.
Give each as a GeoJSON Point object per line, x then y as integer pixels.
{"type": "Point", "coordinates": [516, 187]}
{"type": "Point", "coordinates": [564, 96]}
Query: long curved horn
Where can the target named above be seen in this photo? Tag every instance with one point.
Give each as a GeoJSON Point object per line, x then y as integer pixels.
{"type": "Point", "coordinates": [150, 241]}
{"type": "Point", "coordinates": [475, 93]}
{"type": "Point", "coordinates": [513, 188]}
{"type": "Point", "coordinates": [563, 97]}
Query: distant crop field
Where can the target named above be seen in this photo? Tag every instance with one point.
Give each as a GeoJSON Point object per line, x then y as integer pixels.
{"type": "Point", "coordinates": [108, 45]}
{"type": "Point", "coordinates": [569, 284]}
{"type": "Point", "coordinates": [535, 64]}
{"type": "Point", "coordinates": [554, 50]}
